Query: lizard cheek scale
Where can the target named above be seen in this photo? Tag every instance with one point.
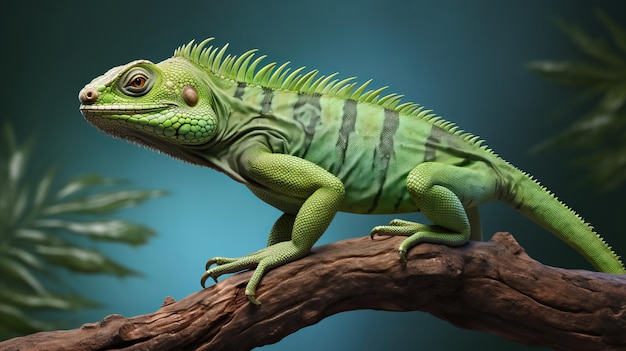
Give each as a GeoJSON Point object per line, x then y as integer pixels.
{"type": "Point", "coordinates": [312, 145]}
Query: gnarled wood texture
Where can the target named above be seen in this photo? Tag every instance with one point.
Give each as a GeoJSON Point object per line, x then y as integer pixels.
{"type": "Point", "coordinates": [492, 286]}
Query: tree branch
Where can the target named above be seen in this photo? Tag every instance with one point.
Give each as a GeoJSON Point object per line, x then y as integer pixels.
{"type": "Point", "coordinates": [493, 287]}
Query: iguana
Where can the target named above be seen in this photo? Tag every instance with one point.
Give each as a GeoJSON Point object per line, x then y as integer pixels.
{"type": "Point", "coordinates": [311, 145]}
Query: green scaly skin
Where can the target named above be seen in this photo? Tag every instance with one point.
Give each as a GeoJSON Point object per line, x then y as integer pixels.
{"type": "Point", "coordinates": [313, 145]}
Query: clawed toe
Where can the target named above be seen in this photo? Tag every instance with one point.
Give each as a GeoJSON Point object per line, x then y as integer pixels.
{"type": "Point", "coordinates": [397, 227]}
{"type": "Point", "coordinates": [223, 265]}
{"type": "Point", "coordinates": [209, 263]}
{"type": "Point", "coordinates": [252, 300]}
{"type": "Point", "coordinates": [206, 276]}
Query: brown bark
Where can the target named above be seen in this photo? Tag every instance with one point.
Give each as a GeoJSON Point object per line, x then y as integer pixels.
{"type": "Point", "coordinates": [492, 286]}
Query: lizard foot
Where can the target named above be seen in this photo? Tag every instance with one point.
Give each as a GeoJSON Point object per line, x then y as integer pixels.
{"type": "Point", "coordinates": [399, 227]}
{"type": "Point", "coordinates": [264, 260]}
{"type": "Point", "coordinates": [417, 233]}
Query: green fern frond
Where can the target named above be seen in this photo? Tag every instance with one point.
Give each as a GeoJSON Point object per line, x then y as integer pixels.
{"type": "Point", "coordinates": [599, 132]}
{"type": "Point", "coordinates": [42, 227]}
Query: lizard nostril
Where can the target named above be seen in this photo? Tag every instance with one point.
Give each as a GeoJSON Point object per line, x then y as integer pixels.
{"type": "Point", "coordinates": [88, 95]}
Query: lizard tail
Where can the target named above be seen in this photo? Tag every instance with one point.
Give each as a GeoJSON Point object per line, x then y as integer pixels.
{"type": "Point", "coordinates": [536, 202]}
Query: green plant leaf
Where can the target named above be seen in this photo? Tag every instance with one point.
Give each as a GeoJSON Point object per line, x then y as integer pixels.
{"type": "Point", "coordinates": [82, 260]}
{"type": "Point", "coordinates": [26, 257]}
{"type": "Point", "coordinates": [19, 206]}
{"type": "Point", "coordinates": [39, 233]}
{"type": "Point", "coordinates": [17, 161]}
{"type": "Point", "coordinates": [613, 98]}
{"type": "Point", "coordinates": [25, 300]}
{"type": "Point", "coordinates": [32, 235]}
{"type": "Point", "coordinates": [83, 182]}
{"type": "Point", "coordinates": [585, 133]}
{"type": "Point", "coordinates": [112, 230]}
{"type": "Point", "coordinates": [596, 48]}
{"type": "Point", "coordinates": [103, 202]}
{"type": "Point", "coordinates": [611, 167]}
{"type": "Point", "coordinates": [9, 137]}
{"type": "Point", "coordinates": [10, 270]}
{"type": "Point", "coordinates": [572, 74]}
{"type": "Point", "coordinates": [43, 188]}
{"type": "Point", "coordinates": [15, 322]}
{"type": "Point", "coordinates": [599, 131]}
{"type": "Point", "coordinates": [618, 33]}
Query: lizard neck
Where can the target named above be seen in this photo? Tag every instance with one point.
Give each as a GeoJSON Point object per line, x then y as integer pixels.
{"type": "Point", "coordinates": [253, 111]}
{"type": "Point", "coordinates": [249, 116]}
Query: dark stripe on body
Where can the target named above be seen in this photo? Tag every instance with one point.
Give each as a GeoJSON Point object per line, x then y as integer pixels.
{"type": "Point", "coordinates": [266, 103]}
{"type": "Point", "coordinates": [241, 89]}
{"type": "Point", "coordinates": [308, 112]}
{"type": "Point", "coordinates": [384, 151]}
{"type": "Point", "coordinates": [433, 140]}
{"type": "Point", "coordinates": [348, 122]}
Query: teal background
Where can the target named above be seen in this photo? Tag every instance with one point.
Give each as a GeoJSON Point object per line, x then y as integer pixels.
{"type": "Point", "coordinates": [464, 59]}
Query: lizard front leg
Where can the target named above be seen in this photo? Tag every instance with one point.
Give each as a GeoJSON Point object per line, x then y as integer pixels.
{"type": "Point", "coordinates": [320, 194]}
{"type": "Point", "coordinates": [448, 196]}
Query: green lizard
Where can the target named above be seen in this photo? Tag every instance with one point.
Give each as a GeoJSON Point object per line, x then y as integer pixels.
{"type": "Point", "coordinates": [313, 145]}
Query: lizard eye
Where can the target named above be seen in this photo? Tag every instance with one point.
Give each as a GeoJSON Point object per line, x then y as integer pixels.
{"type": "Point", "coordinates": [136, 82]}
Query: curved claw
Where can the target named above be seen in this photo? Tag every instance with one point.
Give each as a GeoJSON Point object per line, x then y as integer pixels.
{"type": "Point", "coordinates": [209, 263]}
{"type": "Point", "coordinates": [253, 300]}
{"type": "Point", "coordinates": [250, 292]}
{"type": "Point", "coordinates": [402, 253]}
{"type": "Point", "coordinates": [205, 276]}
{"type": "Point", "coordinates": [376, 231]}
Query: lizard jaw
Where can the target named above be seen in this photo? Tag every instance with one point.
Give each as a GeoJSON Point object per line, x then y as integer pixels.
{"type": "Point", "coordinates": [131, 121]}
{"type": "Point", "coordinates": [108, 111]}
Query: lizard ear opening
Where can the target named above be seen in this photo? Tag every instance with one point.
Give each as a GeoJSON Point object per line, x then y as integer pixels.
{"type": "Point", "coordinates": [190, 95]}
{"type": "Point", "coordinates": [137, 81]}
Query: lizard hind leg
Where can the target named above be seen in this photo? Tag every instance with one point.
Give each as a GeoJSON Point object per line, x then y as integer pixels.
{"type": "Point", "coordinates": [281, 231]}
{"type": "Point", "coordinates": [441, 192]}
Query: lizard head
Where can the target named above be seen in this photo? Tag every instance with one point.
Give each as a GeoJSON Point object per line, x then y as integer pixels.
{"type": "Point", "coordinates": [162, 106]}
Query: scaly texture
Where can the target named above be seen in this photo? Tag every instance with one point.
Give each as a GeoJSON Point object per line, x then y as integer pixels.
{"type": "Point", "coordinates": [311, 146]}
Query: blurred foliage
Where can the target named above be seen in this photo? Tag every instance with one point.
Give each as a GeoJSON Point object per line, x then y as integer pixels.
{"type": "Point", "coordinates": [43, 228]}
{"type": "Point", "coordinates": [599, 131]}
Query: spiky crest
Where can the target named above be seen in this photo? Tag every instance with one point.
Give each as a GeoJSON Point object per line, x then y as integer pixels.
{"type": "Point", "coordinates": [243, 68]}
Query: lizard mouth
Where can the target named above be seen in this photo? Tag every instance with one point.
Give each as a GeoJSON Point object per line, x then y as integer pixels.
{"type": "Point", "coordinates": [122, 111]}
{"type": "Point", "coordinates": [144, 123]}
{"type": "Point", "coordinates": [124, 121]}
